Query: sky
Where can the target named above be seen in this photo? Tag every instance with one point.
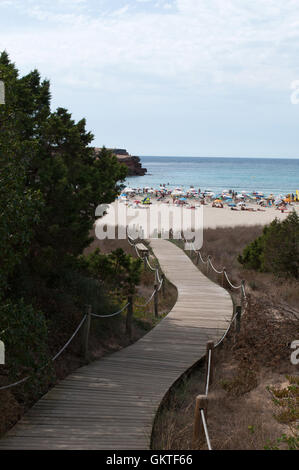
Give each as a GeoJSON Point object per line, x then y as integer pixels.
{"type": "Point", "coordinates": [167, 77]}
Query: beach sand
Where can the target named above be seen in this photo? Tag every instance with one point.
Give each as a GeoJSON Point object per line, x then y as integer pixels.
{"type": "Point", "coordinates": [214, 217]}
{"type": "Point", "coordinates": [120, 214]}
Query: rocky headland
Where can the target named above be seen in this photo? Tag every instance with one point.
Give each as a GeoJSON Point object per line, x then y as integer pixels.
{"type": "Point", "coordinates": [132, 162]}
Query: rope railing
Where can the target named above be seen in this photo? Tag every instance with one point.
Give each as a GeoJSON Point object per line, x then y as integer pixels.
{"type": "Point", "coordinates": [148, 301]}
{"type": "Point", "coordinates": [227, 330]}
{"type": "Point", "coordinates": [159, 279]}
{"type": "Point", "coordinates": [111, 314]}
{"type": "Point", "coordinates": [149, 265]}
{"type": "Point", "coordinates": [208, 371]}
{"type": "Point", "coordinates": [200, 430]}
{"type": "Point", "coordinates": [208, 262]}
{"type": "Point", "coordinates": [213, 267]}
{"type": "Point", "coordinates": [205, 428]}
{"type": "Point", "coordinates": [152, 295]}
{"type": "Point", "coordinates": [5, 387]}
{"type": "Point", "coordinates": [232, 286]}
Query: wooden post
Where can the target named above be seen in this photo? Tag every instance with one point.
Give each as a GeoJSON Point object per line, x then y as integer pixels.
{"type": "Point", "coordinates": [129, 316]}
{"type": "Point", "coordinates": [156, 301]}
{"type": "Point", "coordinates": [197, 258]}
{"type": "Point", "coordinates": [210, 347]}
{"type": "Point", "coordinates": [163, 285]}
{"type": "Point", "coordinates": [144, 261]}
{"type": "Point", "coordinates": [238, 318]}
{"type": "Point", "coordinates": [86, 332]}
{"type": "Point", "coordinates": [201, 403]}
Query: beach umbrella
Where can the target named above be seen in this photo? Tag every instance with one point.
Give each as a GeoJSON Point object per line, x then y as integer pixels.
{"type": "Point", "coordinates": [182, 199]}
{"type": "Point", "coordinates": [177, 193]}
{"type": "Point", "coordinates": [129, 190]}
{"type": "Point", "coordinates": [217, 200]}
{"type": "Point", "coordinates": [241, 204]}
{"type": "Point", "coordinates": [146, 200]}
{"type": "Point", "coordinates": [232, 204]}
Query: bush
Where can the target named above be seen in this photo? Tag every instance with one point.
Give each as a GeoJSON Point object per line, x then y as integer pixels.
{"type": "Point", "coordinates": [24, 333]}
{"type": "Point", "coordinates": [276, 250]}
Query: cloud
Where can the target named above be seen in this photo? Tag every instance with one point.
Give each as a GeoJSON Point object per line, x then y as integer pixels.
{"type": "Point", "coordinates": [189, 44]}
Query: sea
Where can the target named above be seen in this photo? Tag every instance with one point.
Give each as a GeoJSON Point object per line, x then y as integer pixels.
{"type": "Point", "coordinates": [267, 175]}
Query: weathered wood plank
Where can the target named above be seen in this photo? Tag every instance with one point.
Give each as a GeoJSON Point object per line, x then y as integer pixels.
{"type": "Point", "coordinates": [111, 403]}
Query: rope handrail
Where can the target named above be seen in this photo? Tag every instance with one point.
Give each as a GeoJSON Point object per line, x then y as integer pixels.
{"type": "Point", "coordinates": [208, 372]}
{"type": "Point", "coordinates": [71, 338]}
{"type": "Point", "coordinates": [137, 252]}
{"type": "Point", "coordinates": [50, 360]}
{"type": "Point", "coordinates": [205, 429]}
{"type": "Point", "coordinates": [213, 267]}
{"type": "Point", "coordinates": [129, 241]}
{"type": "Point", "coordinates": [151, 296]}
{"type": "Point", "coordinates": [161, 282]}
{"type": "Point", "coordinates": [156, 269]}
{"type": "Point", "coordinates": [148, 301]}
{"type": "Point", "coordinates": [111, 314]}
{"type": "Point", "coordinates": [227, 278]}
{"type": "Point", "coordinates": [149, 265]}
{"type": "Point", "coordinates": [208, 261]}
{"type": "Point", "coordinates": [203, 408]}
{"type": "Point", "coordinates": [227, 330]}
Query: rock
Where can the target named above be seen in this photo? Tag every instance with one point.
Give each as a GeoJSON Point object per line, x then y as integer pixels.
{"type": "Point", "coordinates": [132, 162]}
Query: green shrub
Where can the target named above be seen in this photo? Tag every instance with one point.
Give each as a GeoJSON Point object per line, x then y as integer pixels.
{"type": "Point", "coordinates": [24, 333]}
{"type": "Point", "coordinates": [276, 250]}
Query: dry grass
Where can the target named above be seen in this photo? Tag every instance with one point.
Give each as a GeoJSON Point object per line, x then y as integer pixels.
{"type": "Point", "coordinates": [242, 413]}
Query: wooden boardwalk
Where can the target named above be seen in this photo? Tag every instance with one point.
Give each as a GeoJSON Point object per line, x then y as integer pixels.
{"type": "Point", "coordinates": [111, 403]}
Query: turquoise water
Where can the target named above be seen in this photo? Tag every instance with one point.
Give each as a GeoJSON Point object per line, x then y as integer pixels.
{"type": "Point", "coordinates": [278, 176]}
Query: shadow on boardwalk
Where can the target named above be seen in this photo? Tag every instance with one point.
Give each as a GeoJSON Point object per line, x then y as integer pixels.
{"type": "Point", "coordinates": [111, 403]}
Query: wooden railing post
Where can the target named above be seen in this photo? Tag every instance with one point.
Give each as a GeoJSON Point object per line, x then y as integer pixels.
{"type": "Point", "coordinates": [86, 332]}
{"type": "Point", "coordinates": [156, 299]}
{"type": "Point", "coordinates": [144, 261]}
{"type": "Point", "coordinates": [201, 403]}
{"type": "Point", "coordinates": [129, 317]}
{"type": "Point", "coordinates": [210, 347]}
{"type": "Point", "coordinates": [238, 318]}
{"type": "Point", "coordinates": [163, 284]}
{"type": "Point", "coordinates": [197, 258]}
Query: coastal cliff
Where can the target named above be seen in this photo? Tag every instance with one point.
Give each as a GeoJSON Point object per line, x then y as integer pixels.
{"type": "Point", "coordinates": [132, 162]}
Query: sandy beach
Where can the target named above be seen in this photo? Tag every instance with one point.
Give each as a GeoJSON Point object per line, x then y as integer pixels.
{"type": "Point", "coordinates": [203, 216]}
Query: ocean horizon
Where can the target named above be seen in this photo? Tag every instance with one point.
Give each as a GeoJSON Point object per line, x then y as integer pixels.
{"type": "Point", "coordinates": [269, 175]}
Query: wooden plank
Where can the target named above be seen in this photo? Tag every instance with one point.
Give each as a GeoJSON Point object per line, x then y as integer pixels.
{"type": "Point", "coordinates": [111, 403]}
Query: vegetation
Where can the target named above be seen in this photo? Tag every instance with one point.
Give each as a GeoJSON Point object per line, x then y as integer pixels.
{"type": "Point", "coordinates": [247, 365]}
{"type": "Point", "coordinates": [51, 182]}
{"type": "Point", "coordinates": [276, 250]}
{"type": "Point", "coordinates": [51, 264]}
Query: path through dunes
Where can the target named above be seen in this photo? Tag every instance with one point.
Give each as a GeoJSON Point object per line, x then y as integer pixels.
{"type": "Point", "coordinates": [111, 403]}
